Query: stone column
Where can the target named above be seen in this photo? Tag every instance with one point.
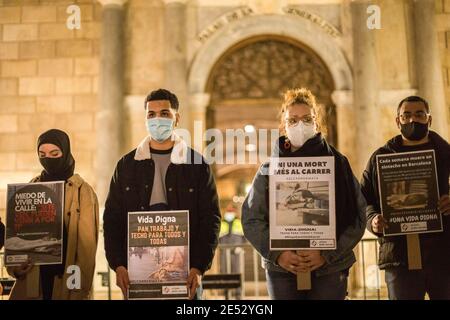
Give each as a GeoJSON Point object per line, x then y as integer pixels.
{"type": "Point", "coordinates": [365, 85]}
{"type": "Point", "coordinates": [345, 117]}
{"type": "Point", "coordinates": [365, 100]}
{"type": "Point", "coordinates": [198, 103]}
{"type": "Point", "coordinates": [175, 64]}
{"type": "Point", "coordinates": [428, 64]}
{"type": "Point", "coordinates": [110, 114]}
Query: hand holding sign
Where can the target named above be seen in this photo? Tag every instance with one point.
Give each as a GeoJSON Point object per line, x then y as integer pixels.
{"type": "Point", "coordinates": [379, 223]}
{"type": "Point", "coordinates": [21, 271]}
{"type": "Point", "coordinates": [193, 281]}
{"type": "Point", "coordinates": [290, 261]}
{"type": "Point", "coordinates": [122, 280]}
{"type": "Point", "coordinates": [310, 259]}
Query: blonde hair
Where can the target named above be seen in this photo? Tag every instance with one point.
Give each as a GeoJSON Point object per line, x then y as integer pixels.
{"type": "Point", "coordinates": [302, 96]}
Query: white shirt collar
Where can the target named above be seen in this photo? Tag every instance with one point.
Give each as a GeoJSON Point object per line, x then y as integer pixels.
{"type": "Point", "coordinates": [178, 155]}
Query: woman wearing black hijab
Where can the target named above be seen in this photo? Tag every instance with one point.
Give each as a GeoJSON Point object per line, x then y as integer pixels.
{"type": "Point", "coordinates": [80, 229]}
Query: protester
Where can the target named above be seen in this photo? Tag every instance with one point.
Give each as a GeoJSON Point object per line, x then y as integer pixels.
{"type": "Point", "coordinates": [301, 126]}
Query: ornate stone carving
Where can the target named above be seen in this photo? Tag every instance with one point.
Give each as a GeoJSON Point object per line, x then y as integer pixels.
{"type": "Point", "coordinates": [263, 69]}
{"type": "Point", "coordinates": [324, 24]}
{"type": "Point", "coordinates": [225, 19]}
{"type": "Point", "coordinates": [266, 68]}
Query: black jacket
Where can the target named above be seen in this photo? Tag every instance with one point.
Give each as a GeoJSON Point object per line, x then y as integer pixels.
{"type": "Point", "coordinates": [189, 186]}
{"type": "Point", "coordinates": [2, 235]}
{"type": "Point", "coordinates": [435, 247]}
{"type": "Point", "coordinates": [350, 209]}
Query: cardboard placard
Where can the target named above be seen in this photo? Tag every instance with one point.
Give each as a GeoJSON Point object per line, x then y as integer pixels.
{"type": "Point", "coordinates": [158, 254]}
{"type": "Point", "coordinates": [303, 280]}
{"type": "Point", "coordinates": [34, 223]}
{"type": "Point", "coordinates": [414, 254]}
{"type": "Point", "coordinates": [409, 192]}
{"type": "Point", "coordinates": [302, 206]}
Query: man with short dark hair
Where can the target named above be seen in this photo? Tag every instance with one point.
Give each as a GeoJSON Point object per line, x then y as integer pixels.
{"type": "Point", "coordinates": [413, 119]}
{"type": "Point", "coordinates": [161, 174]}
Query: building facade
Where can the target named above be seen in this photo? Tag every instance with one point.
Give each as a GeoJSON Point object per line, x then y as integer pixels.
{"type": "Point", "coordinates": [228, 62]}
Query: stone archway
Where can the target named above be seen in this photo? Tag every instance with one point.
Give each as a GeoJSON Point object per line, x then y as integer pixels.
{"type": "Point", "coordinates": [296, 28]}
{"type": "Point", "coordinates": [317, 48]}
{"type": "Point", "coordinates": [300, 30]}
{"type": "Point", "coordinates": [258, 70]}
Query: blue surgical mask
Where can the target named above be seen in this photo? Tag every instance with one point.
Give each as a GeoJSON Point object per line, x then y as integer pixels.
{"type": "Point", "coordinates": [160, 129]}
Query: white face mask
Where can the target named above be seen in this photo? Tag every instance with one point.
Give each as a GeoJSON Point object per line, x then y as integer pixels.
{"type": "Point", "coordinates": [229, 216]}
{"type": "Point", "coordinates": [300, 133]}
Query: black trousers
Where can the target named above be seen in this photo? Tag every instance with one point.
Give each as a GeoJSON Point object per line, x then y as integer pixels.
{"type": "Point", "coordinates": [404, 284]}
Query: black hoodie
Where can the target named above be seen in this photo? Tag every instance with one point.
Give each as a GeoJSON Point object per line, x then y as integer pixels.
{"type": "Point", "coordinates": [435, 247]}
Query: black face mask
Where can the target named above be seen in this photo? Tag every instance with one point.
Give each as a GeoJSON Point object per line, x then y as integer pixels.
{"type": "Point", "coordinates": [414, 130]}
{"type": "Point", "coordinates": [53, 166]}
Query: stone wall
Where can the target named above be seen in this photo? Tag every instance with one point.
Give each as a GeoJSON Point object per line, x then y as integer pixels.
{"type": "Point", "coordinates": [48, 79]}
{"type": "Point", "coordinates": [49, 74]}
{"type": "Point", "coordinates": [443, 28]}
{"type": "Point", "coordinates": [144, 62]}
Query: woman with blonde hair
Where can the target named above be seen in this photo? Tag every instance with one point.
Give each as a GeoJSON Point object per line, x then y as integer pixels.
{"type": "Point", "coordinates": [301, 125]}
{"type": "Point", "coordinates": [80, 229]}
